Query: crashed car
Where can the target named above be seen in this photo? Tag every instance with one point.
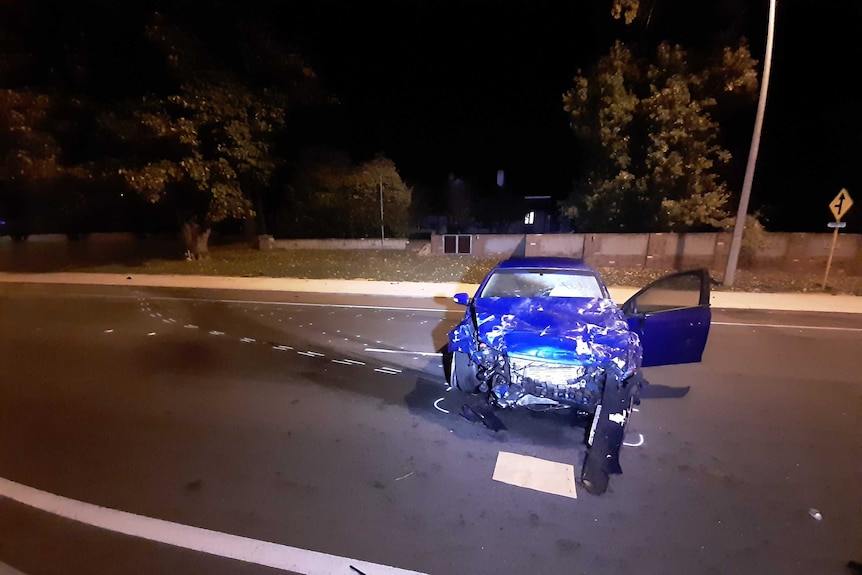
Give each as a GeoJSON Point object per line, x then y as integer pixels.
{"type": "Point", "coordinates": [543, 333]}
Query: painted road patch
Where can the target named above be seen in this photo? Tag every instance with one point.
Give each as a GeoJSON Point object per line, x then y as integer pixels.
{"type": "Point", "coordinates": [537, 474]}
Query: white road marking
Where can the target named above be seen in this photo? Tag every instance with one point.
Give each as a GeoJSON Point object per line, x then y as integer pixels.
{"type": "Point", "coordinates": [438, 408]}
{"type": "Point", "coordinates": [109, 331]}
{"type": "Point", "coordinates": [282, 347]}
{"type": "Point", "coordinates": [247, 340]}
{"type": "Point", "coordinates": [354, 362]}
{"type": "Point", "coordinates": [214, 332]}
{"type": "Point", "coordinates": [403, 351]}
{"type": "Point", "coordinates": [638, 444]}
{"type": "Point", "coordinates": [342, 362]}
{"type": "Point", "coordinates": [387, 370]}
{"type": "Point", "coordinates": [306, 304]}
{"type": "Point", "coordinates": [151, 333]}
{"type": "Point", "coordinates": [310, 353]}
{"type": "Point", "coordinates": [190, 326]}
{"type": "Point", "coordinates": [198, 539]}
{"type": "Point", "coordinates": [537, 474]}
{"type": "Point", "coordinates": [786, 326]}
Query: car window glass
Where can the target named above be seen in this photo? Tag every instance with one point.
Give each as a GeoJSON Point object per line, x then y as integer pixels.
{"type": "Point", "coordinates": [551, 283]}
{"type": "Point", "coordinates": [671, 293]}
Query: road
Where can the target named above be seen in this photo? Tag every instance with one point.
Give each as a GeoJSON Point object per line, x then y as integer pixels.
{"type": "Point", "coordinates": [318, 422]}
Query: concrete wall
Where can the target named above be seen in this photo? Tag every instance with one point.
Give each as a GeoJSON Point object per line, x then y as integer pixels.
{"type": "Point", "coordinates": [801, 252]}
{"type": "Point", "coordinates": [340, 244]}
{"type": "Point", "coordinates": [484, 245]}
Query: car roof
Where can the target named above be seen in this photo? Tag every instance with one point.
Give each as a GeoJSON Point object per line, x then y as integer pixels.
{"type": "Point", "coordinates": [544, 262]}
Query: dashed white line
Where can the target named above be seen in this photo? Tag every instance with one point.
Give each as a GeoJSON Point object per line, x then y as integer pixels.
{"type": "Point", "coordinates": [403, 351]}
{"type": "Point", "coordinates": [388, 370]}
{"type": "Point", "coordinates": [311, 353]}
{"type": "Point", "coordinates": [282, 347]}
{"type": "Point", "coordinates": [190, 326]}
{"type": "Point", "coordinates": [247, 340]}
{"type": "Point", "coordinates": [214, 332]}
{"type": "Point", "coordinates": [342, 362]}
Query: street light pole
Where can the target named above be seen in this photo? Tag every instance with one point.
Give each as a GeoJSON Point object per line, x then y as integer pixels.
{"type": "Point", "coordinates": [736, 242]}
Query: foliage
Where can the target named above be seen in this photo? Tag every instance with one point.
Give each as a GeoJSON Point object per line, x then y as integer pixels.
{"type": "Point", "coordinates": [649, 128]}
{"type": "Point", "coordinates": [330, 197]}
{"type": "Point", "coordinates": [212, 137]}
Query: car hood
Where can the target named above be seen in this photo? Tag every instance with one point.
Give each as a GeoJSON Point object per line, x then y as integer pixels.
{"type": "Point", "coordinates": [585, 331]}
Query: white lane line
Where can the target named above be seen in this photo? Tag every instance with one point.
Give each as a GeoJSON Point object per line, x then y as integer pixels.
{"type": "Point", "coordinates": [403, 351]}
{"type": "Point", "coordinates": [198, 539]}
{"type": "Point", "coordinates": [247, 340]}
{"type": "Point", "coordinates": [438, 408]}
{"type": "Point", "coordinates": [354, 362]}
{"type": "Point", "coordinates": [282, 347]}
{"type": "Point", "coordinates": [638, 444]}
{"type": "Point", "coordinates": [109, 331]}
{"type": "Point", "coordinates": [214, 332]}
{"type": "Point", "coordinates": [190, 326]}
{"type": "Point", "coordinates": [152, 333]}
{"type": "Point", "coordinates": [342, 362]}
{"type": "Point", "coordinates": [786, 326]}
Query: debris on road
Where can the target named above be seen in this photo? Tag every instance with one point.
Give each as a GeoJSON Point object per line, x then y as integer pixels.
{"type": "Point", "coordinates": [815, 514]}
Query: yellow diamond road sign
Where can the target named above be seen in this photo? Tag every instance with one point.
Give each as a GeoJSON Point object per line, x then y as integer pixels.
{"type": "Point", "coordinates": [840, 205]}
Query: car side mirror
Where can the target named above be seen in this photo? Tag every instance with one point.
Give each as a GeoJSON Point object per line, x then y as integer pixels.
{"type": "Point", "coordinates": [461, 298]}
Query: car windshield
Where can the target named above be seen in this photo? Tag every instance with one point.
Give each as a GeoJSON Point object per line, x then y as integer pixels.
{"type": "Point", "coordinates": [542, 283]}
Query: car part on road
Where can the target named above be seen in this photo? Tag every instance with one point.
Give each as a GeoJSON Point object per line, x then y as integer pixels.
{"type": "Point", "coordinates": [482, 414]}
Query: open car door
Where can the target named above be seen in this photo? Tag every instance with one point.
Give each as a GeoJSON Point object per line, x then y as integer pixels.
{"type": "Point", "coordinates": [672, 318]}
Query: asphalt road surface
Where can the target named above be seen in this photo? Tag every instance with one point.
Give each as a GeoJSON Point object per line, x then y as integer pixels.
{"type": "Point", "coordinates": [319, 422]}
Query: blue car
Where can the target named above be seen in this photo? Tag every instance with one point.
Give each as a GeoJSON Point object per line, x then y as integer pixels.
{"type": "Point", "coordinates": [543, 333]}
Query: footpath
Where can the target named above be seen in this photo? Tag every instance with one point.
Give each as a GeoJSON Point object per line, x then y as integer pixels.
{"type": "Point", "coordinates": [810, 302]}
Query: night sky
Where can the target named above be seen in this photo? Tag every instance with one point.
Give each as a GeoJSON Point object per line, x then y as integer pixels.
{"type": "Point", "coordinates": [472, 87]}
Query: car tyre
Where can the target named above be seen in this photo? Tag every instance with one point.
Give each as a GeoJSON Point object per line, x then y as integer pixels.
{"type": "Point", "coordinates": [462, 374]}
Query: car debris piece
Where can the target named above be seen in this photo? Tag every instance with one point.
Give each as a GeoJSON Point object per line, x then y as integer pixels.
{"type": "Point", "coordinates": [482, 414]}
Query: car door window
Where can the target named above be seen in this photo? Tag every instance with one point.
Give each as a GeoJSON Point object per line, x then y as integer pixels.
{"type": "Point", "coordinates": [673, 292]}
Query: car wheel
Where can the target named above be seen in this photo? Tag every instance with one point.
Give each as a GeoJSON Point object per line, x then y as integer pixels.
{"type": "Point", "coordinates": [462, 374]}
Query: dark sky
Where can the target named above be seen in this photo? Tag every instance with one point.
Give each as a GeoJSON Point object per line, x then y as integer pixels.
{"type": "Point", "coordinates": [475, 86]}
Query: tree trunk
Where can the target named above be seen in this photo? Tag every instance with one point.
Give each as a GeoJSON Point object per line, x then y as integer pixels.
{"type": "Point", "coordinates": [196, 240]}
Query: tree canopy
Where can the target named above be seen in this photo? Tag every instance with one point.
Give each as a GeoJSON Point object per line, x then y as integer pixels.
{"type": "Point", "coordinates": [647, 124]}
{"type": "Point", "coordinates": [329, 196]}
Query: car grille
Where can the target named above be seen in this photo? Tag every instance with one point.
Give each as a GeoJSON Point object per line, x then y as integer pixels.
{"type": "Point", "coordinates": [561, 382]}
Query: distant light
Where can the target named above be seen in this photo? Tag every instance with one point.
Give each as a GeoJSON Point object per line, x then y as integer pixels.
{"type": "Point", "coordinates": [529, 218]}
{"type": "Point", "coordinates": [501, 178]}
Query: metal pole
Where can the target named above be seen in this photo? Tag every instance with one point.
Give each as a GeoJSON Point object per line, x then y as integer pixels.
{"type": "Point", "coordinates": [736, 242]}
{"type": "Point", "coordinates": [831, 252]}
{"type": "Point", "coordinates": [381, 213]}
